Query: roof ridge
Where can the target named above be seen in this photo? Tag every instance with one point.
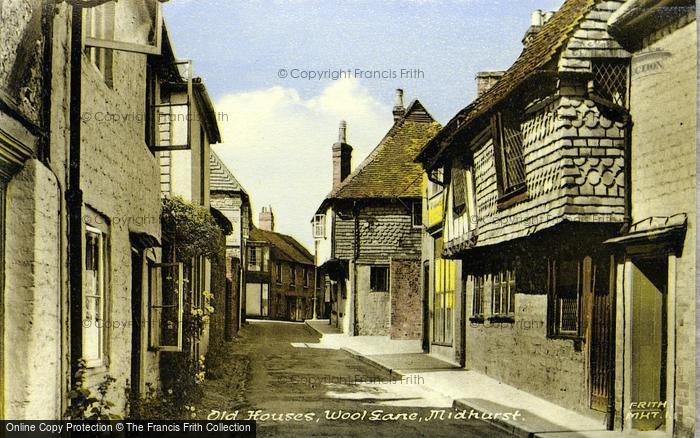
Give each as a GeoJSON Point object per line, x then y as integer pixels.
{"type": "Point", "coordinates": [378, 148]}
{"type": "Point", "coordinates": [287, 244]}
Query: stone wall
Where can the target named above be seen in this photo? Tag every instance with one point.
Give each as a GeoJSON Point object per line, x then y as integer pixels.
{"type": "Point", "coordinates": [406, 300]}
{"type": "Point", "coordinates": [33, 308]}
{"type": "Point", "coordinates": [120, 180]}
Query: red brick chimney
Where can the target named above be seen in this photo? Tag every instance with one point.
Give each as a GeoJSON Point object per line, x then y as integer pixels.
{"type": "Point", "coordinates": [342, 155]}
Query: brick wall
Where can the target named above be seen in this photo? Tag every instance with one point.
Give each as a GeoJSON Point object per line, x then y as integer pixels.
{"type": "Point", "coordinates": [663, 108]}
{"type": "Point", "coordinates": [283, 292]}
{"type": "Point", "coordinates": [406, 300]}
{"type": "Point", "coordinates": [520, 354]}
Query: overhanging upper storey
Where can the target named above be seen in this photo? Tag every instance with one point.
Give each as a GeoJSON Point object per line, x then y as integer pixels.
{"type": "Point", "coordinates": [546, 144]}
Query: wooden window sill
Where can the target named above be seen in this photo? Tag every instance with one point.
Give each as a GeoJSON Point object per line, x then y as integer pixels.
{"type": "Point", "coordinates": [515, 197]}
{"type": "Point", "coordinates": [476, 319]}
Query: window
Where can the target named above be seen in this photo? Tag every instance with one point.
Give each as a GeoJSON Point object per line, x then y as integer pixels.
{"type": "Point", "coordinates": [434, 188]}
{"type": "Point", "coordinates": [253, 258]}
{"type": "Point", "coordinates": [198, 281]}
{"type": "Point", "coordinates": [292, 275]}
{"type": "Point", "coordinates": [306, 276]}
{"type": "Point", "coordinates": [566, 286]}
{"type": "Point", "coordinates": [610, 79]}
{"type": "Point", "coordinates": [503, 293]}
{"type": "Point", "coordinates": [478, 296]}
{"type": "Point", "coordinates": [417, 215]}
{"type": "Point", "coordinates": [265, 300]}
{"type": "Point", "coordinates": [166, 282]}
{"type": "Point", "coordinates": [379, 279]}
{"type": "Point", "coordinates": [265, 254]}
{"type": "Point", "coordinates": [99, 23]}
{"type": "Point", "coordinates": [459, 193]}
{"type": "Point", "coordinates": [319, 226]}
{"type": "Point", "coordinates": [94, 328]}
{"type": "Point", "coordinates": [278, 273]}
{"type": "Point", "coordinates": [508, 148]}
{"type": "Point", "coordinates": [443, 297]}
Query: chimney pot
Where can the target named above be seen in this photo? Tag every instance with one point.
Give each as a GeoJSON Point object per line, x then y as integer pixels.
{"type": "Point", "coordinates": [343, 132]}
{"type": "Point", "coordinates": [536, 19]}
{"type": "Point", "coordinates": [399, 109]}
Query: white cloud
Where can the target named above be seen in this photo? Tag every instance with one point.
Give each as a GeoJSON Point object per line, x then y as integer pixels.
{"type": "Point", "coordinates": [278, 145]}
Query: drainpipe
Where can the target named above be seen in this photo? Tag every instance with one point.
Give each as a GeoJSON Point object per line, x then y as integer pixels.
{"type": "Point", "coordinates": [356, 255]}
{"type": "Point", "coordinates": [74, 195]}
{"type": "Point", "coordinates": [627, 221]}
{"type": "Point", "coordinates": [47, 65]}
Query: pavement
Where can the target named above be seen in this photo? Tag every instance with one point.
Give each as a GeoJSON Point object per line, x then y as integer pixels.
{"type": "Point", "coordinates": [282, 375]}
{"type": "Point", "coordinates": [467, 389]}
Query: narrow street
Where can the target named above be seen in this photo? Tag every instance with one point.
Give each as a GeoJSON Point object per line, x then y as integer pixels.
{"type": "Point", "coordinates": [277, 368]}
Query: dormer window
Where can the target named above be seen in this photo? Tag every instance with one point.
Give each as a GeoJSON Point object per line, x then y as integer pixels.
{"type": "Point", "coordinates": [508, 149]}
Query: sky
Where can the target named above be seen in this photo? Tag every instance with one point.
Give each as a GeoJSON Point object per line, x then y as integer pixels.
{"type": "Point", "coordinates": [282, 74]}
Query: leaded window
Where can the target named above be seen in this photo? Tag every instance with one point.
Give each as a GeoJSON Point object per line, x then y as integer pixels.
{"type": "Point", "coordinates": [610, 78]}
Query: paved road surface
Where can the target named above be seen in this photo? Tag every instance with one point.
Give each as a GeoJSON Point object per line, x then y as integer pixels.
{"type": "Point", "coordinates": [276, 369]}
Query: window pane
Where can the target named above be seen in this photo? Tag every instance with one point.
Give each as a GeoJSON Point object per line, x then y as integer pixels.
{"type": "Point", "coordinates": [379, 278]}
{"type": "Point", "coordinates": [567, 296]}
{"type": "Point", "coordinates": [93, 324]}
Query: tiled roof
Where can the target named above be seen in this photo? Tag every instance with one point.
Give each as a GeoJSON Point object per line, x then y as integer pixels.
{"type": "Point", "coordinates": [535, 56]}
{"type": "Point", "coordinates": [389, 170]}
{"type": "Point", "coordinates": [220, 178]}
{"type": "Point", "coordinates": [284, 247]}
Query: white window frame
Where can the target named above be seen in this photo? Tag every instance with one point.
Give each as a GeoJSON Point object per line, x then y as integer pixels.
{"type": "Point", "coordinates": [94, 362]}
{"type": "Point", "coordinates": [319, 226]}
{"type": "Point", "coordinates": [416, 206]}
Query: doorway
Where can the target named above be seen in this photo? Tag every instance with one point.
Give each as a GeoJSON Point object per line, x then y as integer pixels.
{"type": "Point", "coordinates": [601, 350]}
{"type": "Point", "coordinates": [649, 329]}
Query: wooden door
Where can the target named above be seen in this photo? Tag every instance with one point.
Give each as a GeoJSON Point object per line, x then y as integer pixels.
{"type": "Point", "coordinates": [601, 350]}
{"type": "Point", "coordinates": [648, 343]}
